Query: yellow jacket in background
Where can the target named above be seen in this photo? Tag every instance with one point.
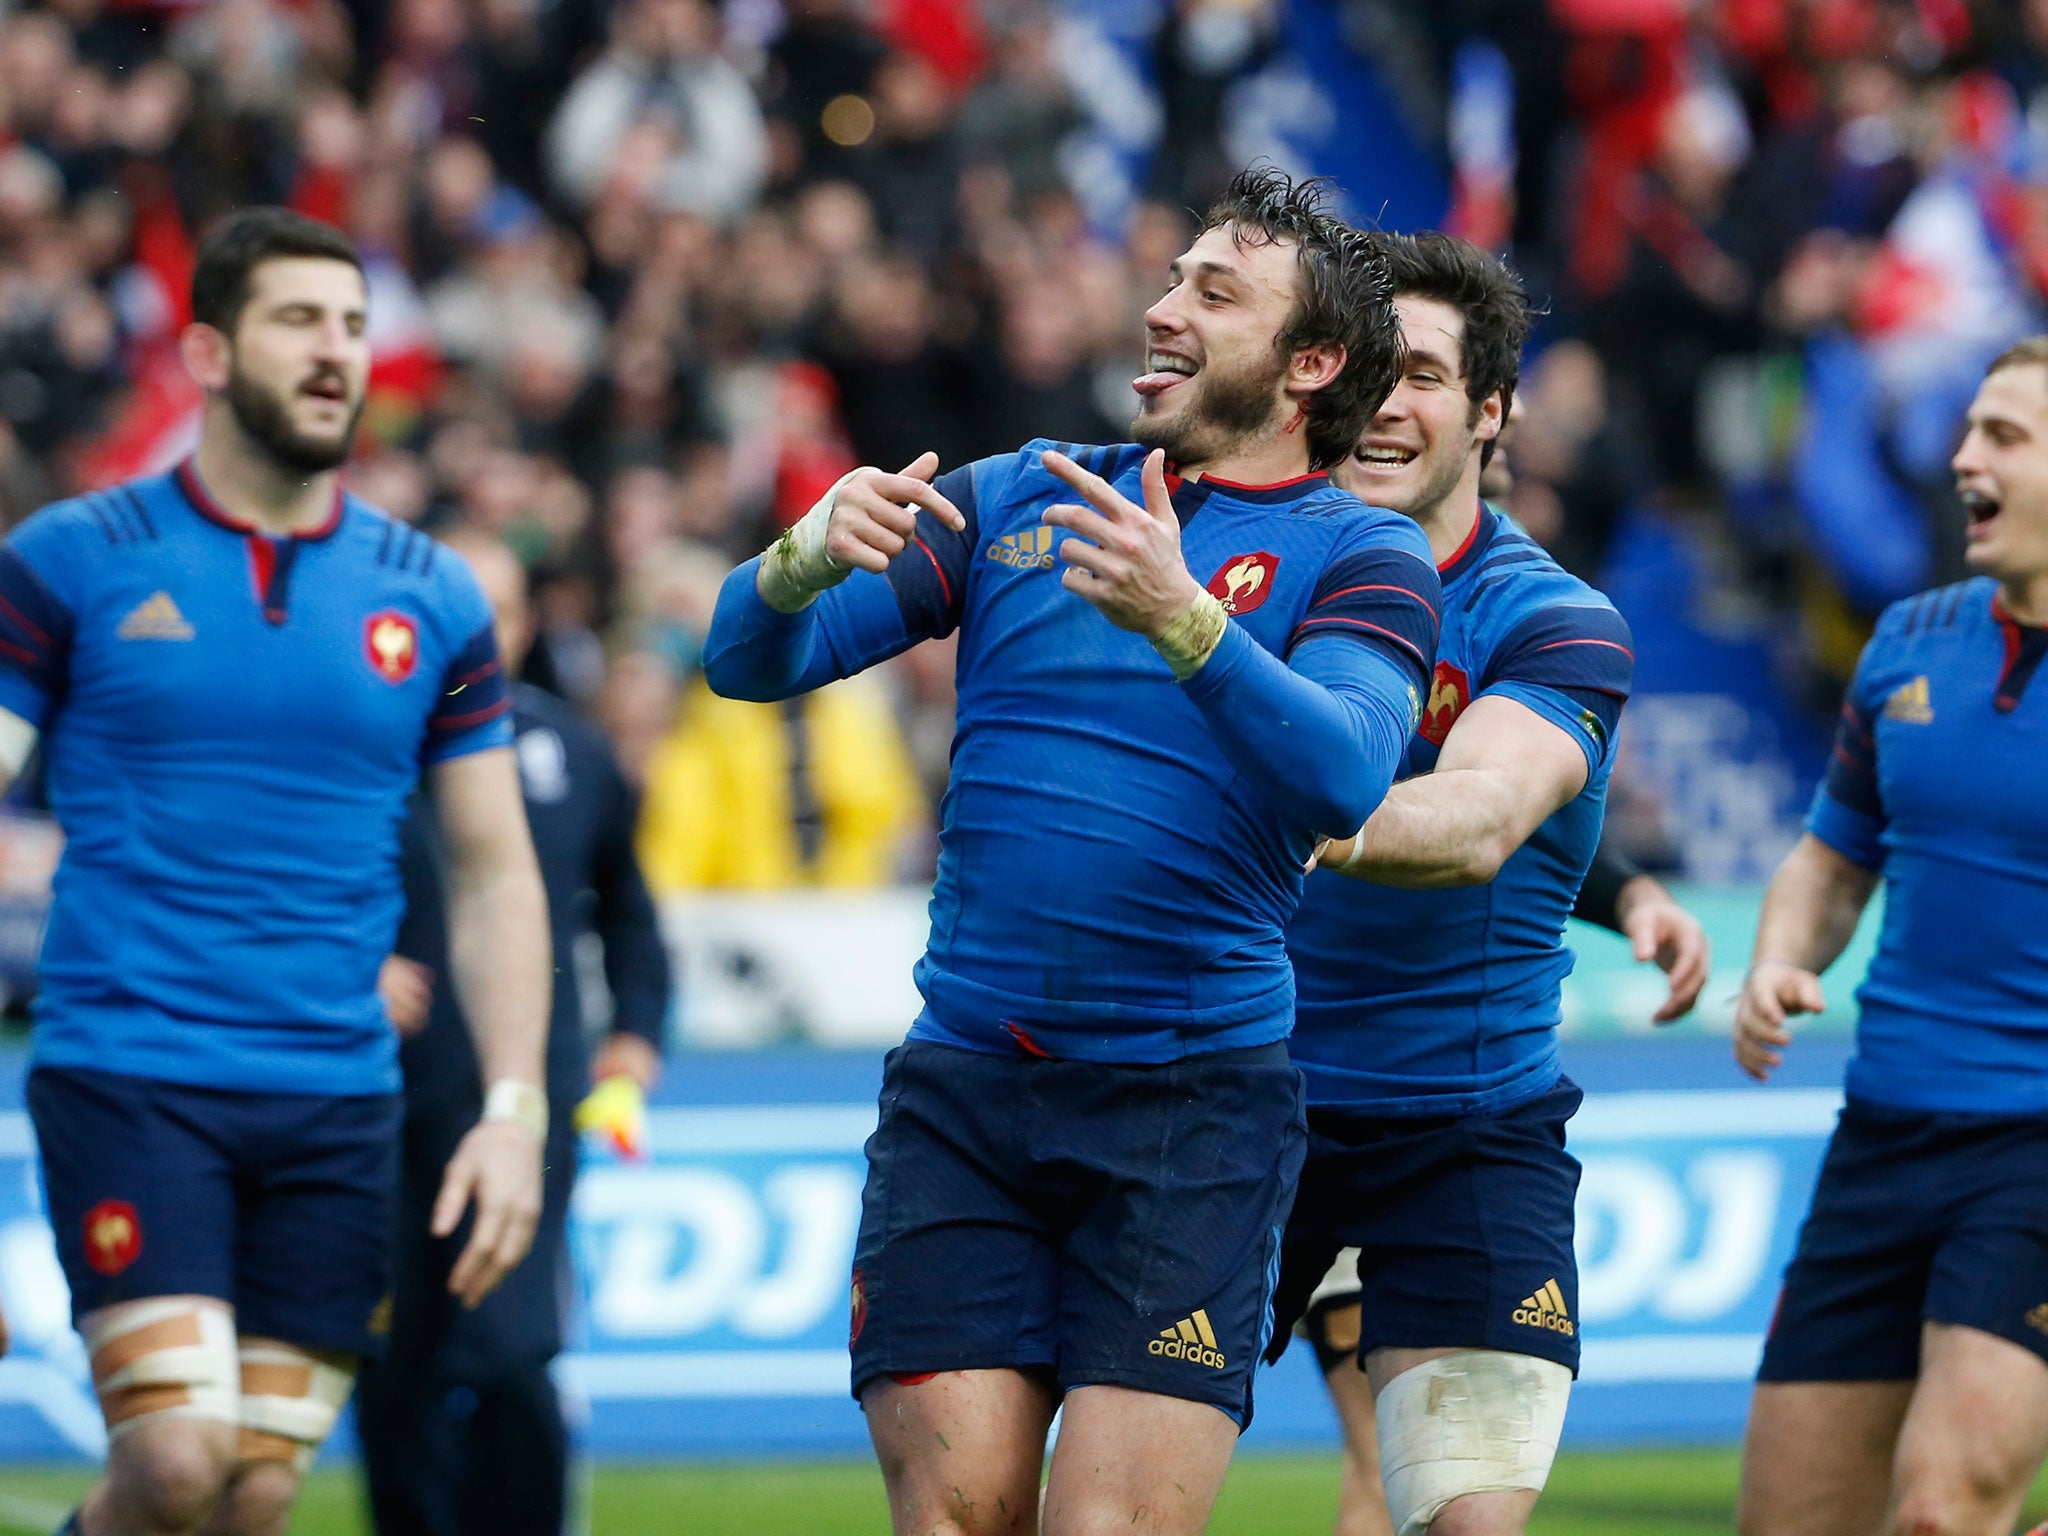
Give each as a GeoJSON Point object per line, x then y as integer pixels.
{"type": "Point", "coordinates": [720, 806]}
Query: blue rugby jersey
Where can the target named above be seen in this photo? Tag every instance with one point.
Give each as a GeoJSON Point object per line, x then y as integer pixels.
{"type": "Point", "coordinates": [1112, 879]}
{"type": "Point", "coordinates": [232, 723]}
{"type": "Point", "coordinates": [1445, 1002]}
{"type": "Point", "coordinates": [1939, 780]}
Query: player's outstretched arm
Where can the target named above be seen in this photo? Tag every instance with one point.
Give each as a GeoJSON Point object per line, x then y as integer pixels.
{"type": "Point", "coordinates": [1810, 913]}
{"type": "Point", "coordinates": [499, 950]}
{"type": "Point", "coordinates": [1348, 707]}
{"type": "Point", "coordinates": [1658, 928]}
{"type": "Point", "coordinates": [1503, 771]}
{"type": "Point", "coordinates": [771, 638]}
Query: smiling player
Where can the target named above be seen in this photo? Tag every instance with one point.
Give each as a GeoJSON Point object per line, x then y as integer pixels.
{"type": "Point", "coordinates": [238, 674]}
{"type": "Point", "coordinates": [1428, 954]}
{"type": "Point", "coordinates": [1088, 1143]}
{"type": "Point", "coordinates": [1904, 1386]}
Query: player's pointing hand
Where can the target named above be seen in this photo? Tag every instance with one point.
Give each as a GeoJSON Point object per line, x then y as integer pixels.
{"type": "Point", "coordinates": [861, 524]}
{"type": "Point", "coordinates": [1131, 567]}
{"type": "Point", "coordinates": [1773, 992]}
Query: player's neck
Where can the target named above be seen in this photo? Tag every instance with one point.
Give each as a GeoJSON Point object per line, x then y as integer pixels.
{"type": "Point", "coordinates": [1449, 524]}
{"type": "Point", "coordinates": [1264, 458]}
{"type": "Point", "coordinates": [2026, 599]}
{"type": "Point", "coordinates": [252, 486]}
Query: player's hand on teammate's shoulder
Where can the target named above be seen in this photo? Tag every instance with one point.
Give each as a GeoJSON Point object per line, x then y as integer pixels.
{"type": "Point", "coordinates": [407, 990]}
{"type": "Point", "coordinates": [1773, 991]}
{"type": "Point", "coordinates": [496, 1173]}
{"type": "Point", "coordinates": [1659, 929]}
{"type": "Point", "coordinates": [1130, 566]}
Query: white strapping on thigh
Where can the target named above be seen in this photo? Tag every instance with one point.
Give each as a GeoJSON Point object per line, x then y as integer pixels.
{"type": "Point", "coordinates": [1472, 1421]}
{"type": "Point", "coordinates": [165, 1355]}
{"type": "Point", "coordinates": [290, 1400]}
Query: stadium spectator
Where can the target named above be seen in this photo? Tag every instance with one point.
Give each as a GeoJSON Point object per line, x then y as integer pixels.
{"type": "Point", "coordinates": [662, 116]}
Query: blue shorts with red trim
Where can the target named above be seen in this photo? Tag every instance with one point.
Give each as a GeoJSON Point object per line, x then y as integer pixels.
{"type": "Point", "coordinates": [279, 1204]}
{"type": "Point", "coordinates": [1100, 1224]}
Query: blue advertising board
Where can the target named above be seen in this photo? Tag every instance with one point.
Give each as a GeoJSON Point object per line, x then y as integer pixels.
{"type": "Point", "coordinates": [713, 1278]}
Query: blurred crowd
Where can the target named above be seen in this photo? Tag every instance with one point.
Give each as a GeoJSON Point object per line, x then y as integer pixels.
{"type": "Point", "coordinates": [648, 276]}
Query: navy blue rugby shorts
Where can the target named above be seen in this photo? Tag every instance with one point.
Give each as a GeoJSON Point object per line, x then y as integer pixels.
{"type": "Point", "coordinates": [1101, 1224]}
{"type": "Point", "coordinates": [279, 1204]}
{"type": "Point", "coordinates": [1917, 1217]}
{"type": "Point", "coordinates": [1463, 1226]}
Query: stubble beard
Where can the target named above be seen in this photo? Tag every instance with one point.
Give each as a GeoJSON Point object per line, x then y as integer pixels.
{"type": "Point", "coordinates": [1226, 410]}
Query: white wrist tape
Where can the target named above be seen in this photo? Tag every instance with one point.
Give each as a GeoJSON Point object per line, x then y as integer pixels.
{"type": "Point", "coordinates": [510, 1098]}
{"type": "Point", "coordinates": [796, 568]}
{"type": "Point", "coordinates": [1473, 1421]}
{"type": "Point", "coordinates": [1188, 641]}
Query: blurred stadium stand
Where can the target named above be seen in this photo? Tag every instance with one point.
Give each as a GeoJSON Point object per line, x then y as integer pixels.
{"type": "Point", "coordinates": [648, 276]}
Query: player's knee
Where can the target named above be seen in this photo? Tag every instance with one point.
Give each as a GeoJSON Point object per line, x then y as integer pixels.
{"type": "Point", "coordinates": [258, 1500]}
{"type": "Point", "coordinates": [1503, 1512]}
{"type": "Point", "coordinates": [1959, 1499]}
{"type": "Point", "coordinates": [1475, 1421]}
{"type": "Point", "coordinates": [172, 1472]}
{"type": "Point", "coordinates": [290, 1400]}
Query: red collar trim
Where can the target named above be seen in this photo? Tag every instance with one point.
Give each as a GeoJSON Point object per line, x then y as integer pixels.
{"type": "Point", "coordinates": [1471, 536]}
{"type": "Point", "coordinates": [1276, 485]}
{"type": "Point", "coordinates": [187, 476]}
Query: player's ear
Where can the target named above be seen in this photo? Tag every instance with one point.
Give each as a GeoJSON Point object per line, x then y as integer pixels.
{"type": "Point", "coordinates": [1491, 415]}
{"type": "Point", "coordinates": [1315, 367]}
{"type": "Point", "coordinates": [208, 355]}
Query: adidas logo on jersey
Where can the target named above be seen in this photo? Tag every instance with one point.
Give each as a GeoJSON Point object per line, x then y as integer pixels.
{"type": "Point", "coordinates": [155, 618]}
{"type": "Point", "coordinates": [1190, 1339]}
{"type": "Point", "coordinates": [1546, 1309]}
{"type": "Point", "coordinates": [1908, 702]}
{"type": "Point", "coordinates": [1030, 550]}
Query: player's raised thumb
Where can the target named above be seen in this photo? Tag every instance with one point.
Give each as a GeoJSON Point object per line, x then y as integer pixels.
{"type": "Point", "coordinates": [923, 467]}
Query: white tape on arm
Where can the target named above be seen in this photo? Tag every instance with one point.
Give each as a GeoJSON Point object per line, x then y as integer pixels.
{"type": "Point", "coordinates": [796, 568]}
{"type": "Point", "coordinates": [1472, 1421]}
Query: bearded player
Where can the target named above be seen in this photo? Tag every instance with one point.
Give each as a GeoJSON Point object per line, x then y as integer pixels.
{"type": "Point", "coordinates": [1181, 659]}
{"type": "Point", "coordinates": [237, 673]}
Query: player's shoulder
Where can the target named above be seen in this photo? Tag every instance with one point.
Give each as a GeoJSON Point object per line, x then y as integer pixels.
{"type": "Point", "coordinates": [1940, 611]}
{"type": "Point", "coordinates": [126, 514]}
{"type": "Point", "coordinates": [1026, 467]}
{"type": "Point", "coordinates": [1360, 528]}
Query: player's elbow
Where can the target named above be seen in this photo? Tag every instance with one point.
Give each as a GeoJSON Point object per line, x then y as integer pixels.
{"type": "Point", "coordinates": [727, 674]}
{"type": "Point", "coordinates": [1482, 859]}
{"type": "Point", "coordinates": [1344, 801]}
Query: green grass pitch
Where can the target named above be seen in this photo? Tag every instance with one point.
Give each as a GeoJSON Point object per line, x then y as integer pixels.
{"type": "Point", "coordinates": [1631, 1493]}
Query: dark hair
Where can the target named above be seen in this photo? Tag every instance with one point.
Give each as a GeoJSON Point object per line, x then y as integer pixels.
{"type": "Point", "coordinates": [242, 242]}
{"type": "Point", "coordinates": [1482, 288]}
{"type": "Point", "coordinates": [2032, 350]}
{"type": "Point", "coordinates": [1344, 297]}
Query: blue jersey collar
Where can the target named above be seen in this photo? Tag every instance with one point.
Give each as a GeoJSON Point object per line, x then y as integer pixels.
{"type": "Point", "coordinates": [1469, 553]}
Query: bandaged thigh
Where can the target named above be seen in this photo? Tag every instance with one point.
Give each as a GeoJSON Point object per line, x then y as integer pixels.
{"type": "Point", "coordinates": [166, 1356]}
{"type": "Point", "coordinates": [1473, 1421]}
{"type": "Point", "coordinates": [290, 1401]}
